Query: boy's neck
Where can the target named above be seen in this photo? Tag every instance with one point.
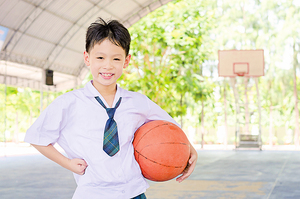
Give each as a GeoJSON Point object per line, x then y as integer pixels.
{"type": "Point", "coordinates": [107, 92]}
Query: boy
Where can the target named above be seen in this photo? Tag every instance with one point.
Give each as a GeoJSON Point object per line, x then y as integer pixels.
{"type": "Point", "coordinates": [79, 120]}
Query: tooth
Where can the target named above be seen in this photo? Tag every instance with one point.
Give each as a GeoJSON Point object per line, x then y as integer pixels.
{"type": "Point", "coordinates": [106, 74]}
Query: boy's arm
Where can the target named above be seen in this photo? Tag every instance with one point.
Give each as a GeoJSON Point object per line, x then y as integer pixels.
{"type": "Point", "coordinates": [75, 165]}
{"type": "Point", "coordinates": [191, 165]}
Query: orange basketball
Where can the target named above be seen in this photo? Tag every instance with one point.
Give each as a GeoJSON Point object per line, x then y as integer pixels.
{"type": "Point", "coordinates": [162, 150]}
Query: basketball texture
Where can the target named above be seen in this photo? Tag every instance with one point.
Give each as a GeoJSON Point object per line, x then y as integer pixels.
{"type": "Point", "coordinates": [162, 150]}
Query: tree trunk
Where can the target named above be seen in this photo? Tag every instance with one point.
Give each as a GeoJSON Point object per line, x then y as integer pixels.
{"type": "Point", "coordinates": [202, 125]}
{"type": "Point", "coordinates": [237, 110]}
{"type": "Point", "coordinates": [16, 134]}
{"type": "Point", "coordinates": [225, 115]}
{"type": "Point", "coordinates": [30, 118]}
{"type": "Point", "coordinates": [296, 138]}
{"type": "Point", "coordinates": [247, 117]}
{"type": "Point", "coordinates": [270, 117]}
{"type": "Point", "coordinates": [181, 104]}
{"type": "Point", "coordinates": [259, 111]}
{"type": "Point", "coordinates": [201, 70]}
{"type": "Point", "coordinates": [271, 126]}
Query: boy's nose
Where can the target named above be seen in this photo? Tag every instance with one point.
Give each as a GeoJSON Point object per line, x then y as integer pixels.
{"type": "Point", "coordinates": [108, 65]}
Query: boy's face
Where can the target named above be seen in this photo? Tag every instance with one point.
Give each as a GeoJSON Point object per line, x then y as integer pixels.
{"type": "Point", "coordinates": [106, 61]}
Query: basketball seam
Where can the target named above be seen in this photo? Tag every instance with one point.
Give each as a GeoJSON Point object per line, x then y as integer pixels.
{"type": "Point", "coordinates": [166, 143]}
{"type": "Point", "coordinates": [152, 129]}
{"type": "Point", "coordinates": [149, 145]}
{"type": "Point", "coordinates": [157, 162]}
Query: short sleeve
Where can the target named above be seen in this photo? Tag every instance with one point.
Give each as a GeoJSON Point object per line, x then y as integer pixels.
{"type": "Point", "coordinates": [47, 127]}
{"type": "Point", "coordinates": [155, 112]}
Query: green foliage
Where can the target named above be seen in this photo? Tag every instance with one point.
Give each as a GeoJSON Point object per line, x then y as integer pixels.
{"type": "Point", "coordinates": [19, 109]}
{"type": "Point", "coordinates": [167, 49]}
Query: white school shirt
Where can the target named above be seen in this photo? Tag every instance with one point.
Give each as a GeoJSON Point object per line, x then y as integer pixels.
{"type": "Point", "coordinates": [76, 122]}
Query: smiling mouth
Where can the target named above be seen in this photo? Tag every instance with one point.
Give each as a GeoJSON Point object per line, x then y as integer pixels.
{"type": "Point", "coordinates": [107, 74]}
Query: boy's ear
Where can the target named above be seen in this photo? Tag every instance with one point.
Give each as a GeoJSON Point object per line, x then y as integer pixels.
{"type": "Point", "coordinates": [127, 60]}
{"type": "Point", "coordinates": [86, 58]}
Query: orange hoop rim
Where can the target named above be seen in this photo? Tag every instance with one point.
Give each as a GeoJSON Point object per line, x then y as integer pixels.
{"type": "Point", "coordinates": [240, 74]}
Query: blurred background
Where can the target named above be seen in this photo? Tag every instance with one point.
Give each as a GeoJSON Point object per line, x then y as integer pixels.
{"type": "Point", "coordinates": [174, 62]}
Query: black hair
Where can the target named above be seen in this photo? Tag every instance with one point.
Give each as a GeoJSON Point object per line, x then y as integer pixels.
{"type": "Point", "coordinates": [112, 30]}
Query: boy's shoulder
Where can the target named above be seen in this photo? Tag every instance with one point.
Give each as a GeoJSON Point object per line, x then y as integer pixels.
{"type": "Point", "coordinates": [69, 96]}
{"type": "Point", "coordinates": [133, 94]}
{"type": "Point", "coordinates": [75, 92]}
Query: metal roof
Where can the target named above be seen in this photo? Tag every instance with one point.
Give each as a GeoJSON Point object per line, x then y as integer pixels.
{"type": "Point", "coordinates": [50, 34]}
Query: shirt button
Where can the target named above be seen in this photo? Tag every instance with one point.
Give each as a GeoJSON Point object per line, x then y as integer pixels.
{"type": "Point", "coordinates": [123, 191]}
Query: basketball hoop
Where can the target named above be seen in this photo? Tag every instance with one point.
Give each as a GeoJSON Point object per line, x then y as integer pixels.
{"type": "Point", "coordinates": [243, 63]}
{"type": "Point", "coordinates": [240, 68]}
{"type": "Point", "coordinates": [248, 63]}
{"type": "Point", "coordinates": [240, 74]}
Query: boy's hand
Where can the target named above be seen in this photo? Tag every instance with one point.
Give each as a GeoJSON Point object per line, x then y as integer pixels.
{"type": "Point", "coordinates": [75, 165]}
{"type": "Point", "coordinates": [190, 166]}
{"type": "Point", "coordinates": [78, 166]}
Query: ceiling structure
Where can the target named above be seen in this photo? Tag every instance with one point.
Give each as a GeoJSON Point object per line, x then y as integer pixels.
{"type": "Point", "coordinates": [50, 34]}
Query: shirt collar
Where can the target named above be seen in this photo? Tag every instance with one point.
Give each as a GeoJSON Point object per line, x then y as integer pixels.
{"type": "Point", "coordinates": [91, 91]}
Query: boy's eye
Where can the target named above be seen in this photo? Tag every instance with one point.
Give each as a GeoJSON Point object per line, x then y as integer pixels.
{"type": "Point", "coordinates": [100, 58]}
{"type": "Point", "coordinates": [117, 59]}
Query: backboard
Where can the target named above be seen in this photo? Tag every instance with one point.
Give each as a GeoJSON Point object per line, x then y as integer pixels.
{"type": "Point", "coordinates": [248, 63]}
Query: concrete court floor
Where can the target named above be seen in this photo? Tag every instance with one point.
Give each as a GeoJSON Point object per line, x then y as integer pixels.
{"type": "Point", "coordinates": [218, 174]}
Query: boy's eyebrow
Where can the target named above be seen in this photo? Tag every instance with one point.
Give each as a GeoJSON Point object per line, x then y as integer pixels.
{"type": "Point", "coordinates": [118, 54]}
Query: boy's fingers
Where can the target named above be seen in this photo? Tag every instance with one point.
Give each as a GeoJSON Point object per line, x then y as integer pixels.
{"type": "Point", "coordinates": [181, 178]}
{"type": "Point", "coordinates": [83, 167]}
{"type": "Point", "coordinates": [82, 162]}
{"type": "Point", "coordinates": [85, 163]}
{"type": "Point", "coordinates": [82, 171]}
{"type": "Point", "coordinates": [192, 159]}
{"type": "Point", "coordinates": [188, 170]}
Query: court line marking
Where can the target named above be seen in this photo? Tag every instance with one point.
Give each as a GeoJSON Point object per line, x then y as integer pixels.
{"type": "Point", "coordinates": [274, 184]}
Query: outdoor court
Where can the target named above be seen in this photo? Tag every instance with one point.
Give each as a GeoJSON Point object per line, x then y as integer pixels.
{"type": "Point", "coordinates": [219, 174]}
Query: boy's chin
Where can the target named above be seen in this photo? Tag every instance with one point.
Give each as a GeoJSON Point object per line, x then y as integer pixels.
{"type": "Point", "coordinates": [104, 83]}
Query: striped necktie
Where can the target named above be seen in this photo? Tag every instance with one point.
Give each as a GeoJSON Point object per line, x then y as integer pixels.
{"type": "Point", "coordinates": [110, 138]}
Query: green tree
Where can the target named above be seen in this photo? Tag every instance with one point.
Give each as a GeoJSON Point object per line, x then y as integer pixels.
{"type": "Point", "coordinates": [168, 50]}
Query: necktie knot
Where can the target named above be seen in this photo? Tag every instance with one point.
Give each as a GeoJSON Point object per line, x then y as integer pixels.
{"type": "Point", "coordinates": [110, 112]}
